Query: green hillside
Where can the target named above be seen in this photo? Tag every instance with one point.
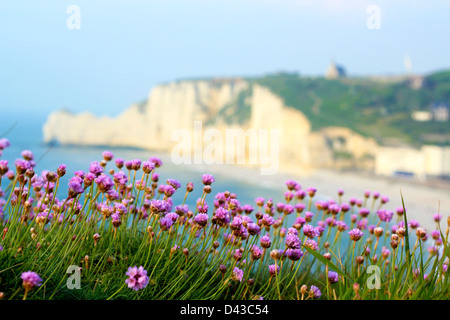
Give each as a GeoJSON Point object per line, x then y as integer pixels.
{"type": "Point", "coordinates": [381, 109]}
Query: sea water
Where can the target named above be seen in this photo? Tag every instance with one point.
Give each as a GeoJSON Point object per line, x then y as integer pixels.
{"type": "Point", "coordinates": [24, 131]}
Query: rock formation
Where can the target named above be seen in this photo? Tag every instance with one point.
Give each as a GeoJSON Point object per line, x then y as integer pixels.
{"type": "Point", "coordinates": [220, 106]}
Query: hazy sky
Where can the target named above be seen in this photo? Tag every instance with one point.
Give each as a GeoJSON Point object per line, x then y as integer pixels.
{"type": "Point", "coordinates": [125, 47]}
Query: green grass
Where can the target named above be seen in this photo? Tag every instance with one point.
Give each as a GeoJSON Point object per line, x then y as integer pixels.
{"type": "Point", "coordinates": [183, 262]}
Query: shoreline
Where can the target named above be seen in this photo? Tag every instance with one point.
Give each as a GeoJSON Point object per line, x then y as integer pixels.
{"type": "Point", "coordinates": [422, 200]}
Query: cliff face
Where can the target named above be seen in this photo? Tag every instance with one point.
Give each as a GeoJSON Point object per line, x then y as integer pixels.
{"type": "Point", "coordinates": [178, 114]}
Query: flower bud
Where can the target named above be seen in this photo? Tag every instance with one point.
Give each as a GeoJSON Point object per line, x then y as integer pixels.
{"type": "Point", "coordinates": [356, 288]}
{"type": "Point", "coordinates": [303, 289]}
{"type": "Point", "coordinates": [96, 237]}
{"type": "Point", "coordinates": [51, 176]}
{"type": "Point", "coordinates": [401, 232]}
{"type": "Point", "coordinates": [421, 233]}
{"type": "Point", "coordinates": [190, 187]}
{"type": "Point", "coordinates": [378, 232]}
{"type": "Point", "coordinates": [61, 171]}
{"type": "Point", "coordinates": [359, 260]}
{"type": "Point", "coordinates": [275, 254]}
{"type": "Point", "coordinates": [394, 244]}
{"type": "Point", "coordinates": [29, 173]}
{"type": "Point", "coordinates": [207, 189]}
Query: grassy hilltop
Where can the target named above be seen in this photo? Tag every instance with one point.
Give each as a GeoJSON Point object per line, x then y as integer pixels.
{"type": "Point", "coordinates": [371, 107]}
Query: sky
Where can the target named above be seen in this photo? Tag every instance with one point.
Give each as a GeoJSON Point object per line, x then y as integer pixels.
{"type": "Point", "coordinates": [123, 48]}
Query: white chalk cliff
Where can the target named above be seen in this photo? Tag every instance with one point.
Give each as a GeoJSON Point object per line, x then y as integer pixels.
{"type": "Point", "coordinates": [220, 105]}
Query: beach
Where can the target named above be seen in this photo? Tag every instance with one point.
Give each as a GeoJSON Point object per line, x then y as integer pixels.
{"type": "Point", "coordinates": [422, 201]}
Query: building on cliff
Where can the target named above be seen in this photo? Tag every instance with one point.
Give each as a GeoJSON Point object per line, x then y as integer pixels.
{"type": "Point", "coordinates": [335, 71]}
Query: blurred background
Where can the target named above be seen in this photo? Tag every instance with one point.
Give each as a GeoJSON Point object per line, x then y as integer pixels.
{"type": "Point", "coordinates": [360, 89]}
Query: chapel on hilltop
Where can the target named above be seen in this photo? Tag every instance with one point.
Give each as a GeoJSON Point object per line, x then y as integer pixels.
{"type": "Point", "coordinates": [335, 71]}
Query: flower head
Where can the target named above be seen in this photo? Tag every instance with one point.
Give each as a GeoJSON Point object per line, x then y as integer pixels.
{"type": "Point", "coordinates": [414, 224]}
{"type": "Point", "coordinates": [309, 231]}
{"type": "Point", "coordinates": [253, 229]}
{"type": "Point", "coordinates": [148, 166]}
{"type": "Point", "coordinates": [104, 183]}
{"type": "Point", "coordinates": [207, 179]}
{"type": "Point", "coordinates": [311, 191]}
{"type": "Point", "coordinates": [157, 161]}
{"type": "Point", "coordinates": [267, 220]}
{"type": "Point", "coordinates": [292, 185]}
{"type": "Point", "coordinates": [257, 252]}
{"type": "Point", "coordinates": [355, 234]}
{"type": "Point", "coordinates": [3, 167]}
{"type": "Point", "coordinates": [294, 254]}
{"type": "Point", "coordinates": [30, 279]}
{"type": "Point", "coordinates": [119, 163]}
{"type": "Point", "coordinates": [333, 277]}
{"type": "Point", "coordinates": [274, 269]}
{"type": "Point", "coordinates": [75, 186]}
{"type": "Point", "coordinates": [95, 168]}
{"type": "Point", "coordinates": [293, 242]}
{"type": "Point", "coordinates": [4, 143]}
{"type": "Point", "coordinates": [61, 171]}
{"type": "Point", "coordinates": [363, 212]}
{"type": "Point", "coordinates": [437, 217]}
{"type": "Point", "coordinates": [341, 225]}
{"type": "Point", "coordinates": [265, 241]}
{"type": "Point", "coordinates": [315, 292]}
{"type": "Point", "coordinates": [385, 215]}
{"type": "Point", "coordinates": [237, 274]}
{"type": "Point", "coordinates": [22, 165]}
{"type": "Point", "coordinates": [311, 244]}
{"type": "Point", "coordinates": [201, 219]}
{"type": "Point", "coordinates": [107, 155]}
{"type": "Point", "coordinates": [137, 278]}
{"type": "Point", "coordinates": [165, 223]}
{"type": "Point", "coordinates": [136, 164]}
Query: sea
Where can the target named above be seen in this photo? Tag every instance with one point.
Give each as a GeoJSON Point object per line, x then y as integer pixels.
{"type": "Point", "coordinates": [24, 132]}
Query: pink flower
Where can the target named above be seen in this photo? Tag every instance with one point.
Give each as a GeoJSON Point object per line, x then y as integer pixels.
{"type": "Point", "coordinates": [237, 274]}
{"type": "Point", "coordinates": [30, 279]}
{"type": "Point", "coordinates": [274, 270]}
{"type": "Point", "coordinates": [107, 155]}
{"type": "Point", "coordinates": [207, 179]}
{"type": "Point", "coordinates": [355, 234]}
{"type": "Point", "coordinates": [137, 278]}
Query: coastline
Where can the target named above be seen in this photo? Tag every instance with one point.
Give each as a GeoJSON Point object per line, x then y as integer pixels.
{"type": "Point", "coordinates": [422, 199]}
